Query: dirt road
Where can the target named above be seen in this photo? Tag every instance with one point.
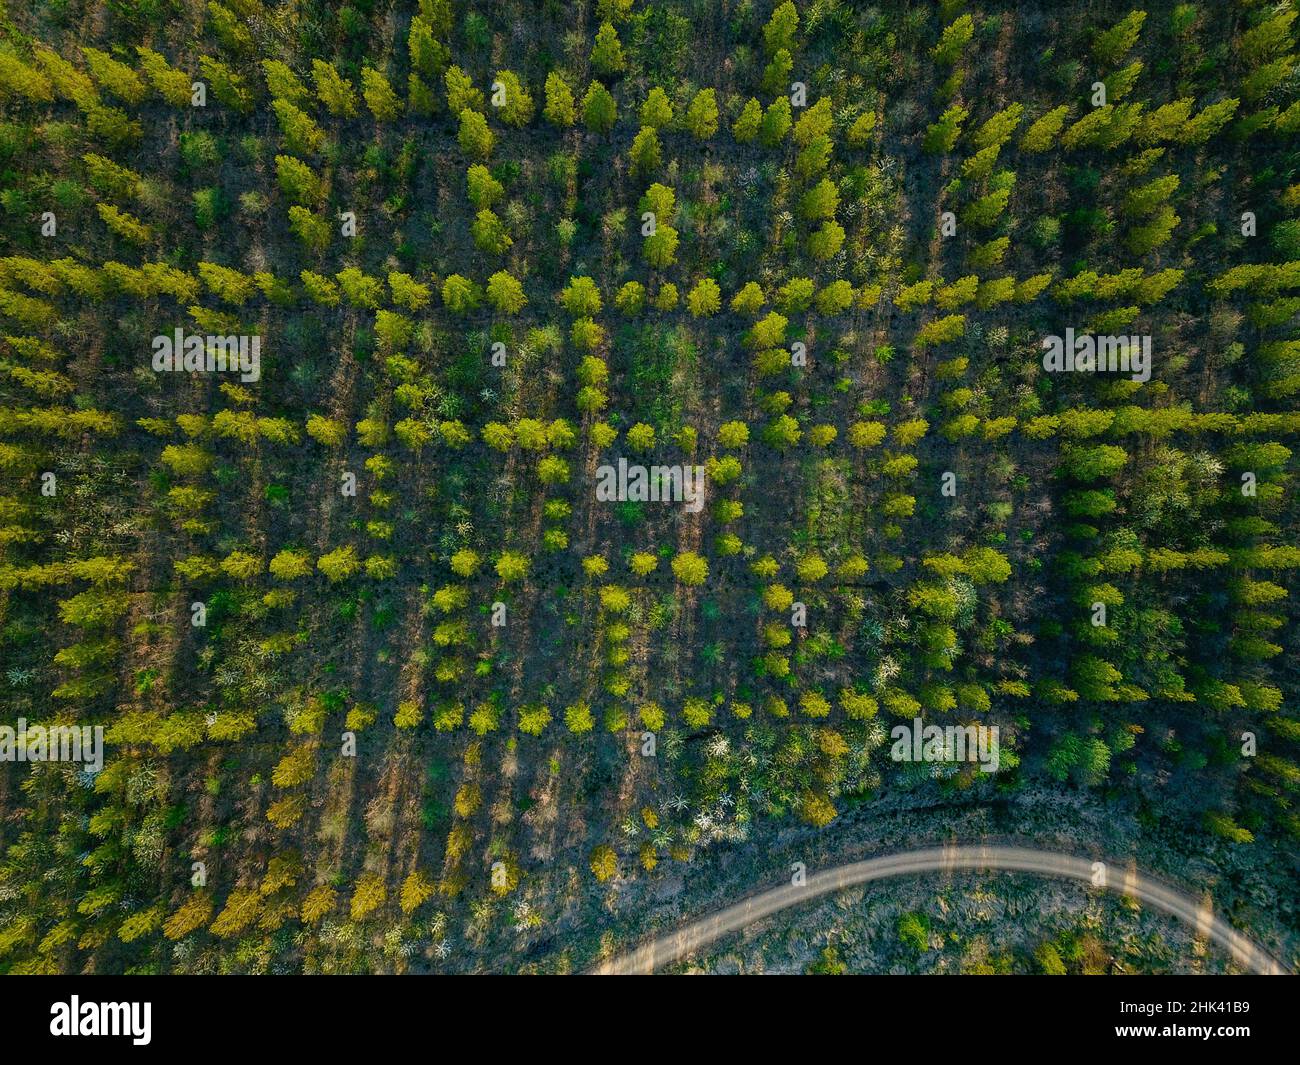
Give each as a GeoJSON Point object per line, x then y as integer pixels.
{"type": "Point", "coordinates": [1125, 880]}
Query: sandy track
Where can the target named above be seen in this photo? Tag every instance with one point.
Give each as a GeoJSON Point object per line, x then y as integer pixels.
{"type": "Point", "coordinates": [1126, 881]}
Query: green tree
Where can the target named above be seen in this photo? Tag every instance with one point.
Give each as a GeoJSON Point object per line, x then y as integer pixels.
{"type": "Point", "coordinates": [690, 568]}
{"type": "Point", "coordinates": [607, 52]}
{"type": "Point", "coordinates": [512, 566]}
{"type": "Point", "coordinates": [383, 102]}
{"type": "Point", "coordinates": [748, 122]}
{"type": "Point", "coordinates": [115, 77]}
{"type": "Point", "coordinates": [505, 293]}
{"type": "Point", "coordinates": [475, 139]}
{"type": "Point", "coordinates": [645, 152]}
{"type": "Point", "coordinates": [483, 189]}
{"type": "Point", "coordinates": [599, 111]}
{"type": "Point", "coordinates": [462, 94]}
{"type": "Point", "coordinates": [657, 111]}
{"type": "Point", "coordinates": [559, 109]}
{"type": "Point", "coordinates": [459, 294]}
{"type": "Point", "coordinates": [953, 41]}
{"type": "Point", "coordinates": [516, 106]}
{"type": "Point", "coordinates": [489, 233]}
{"type": "Point", "coordinates": [1110, 46]}
{"type": "Point", "coordinates": [581, 297]}
{"type": "Point", "coordinates": [705, 298]}
{"type": "Point", "coordinates": [604, 863]}
{"type": "Point", "coordinates": [780, 30]}
{"type": "Point", "coordinates": [333, 90]}
{"type": "Point", "coordinates": [702, 115]}
{"type": "Point", "coordinates": [301, 135]}
{"type": "Point", "coordinates": [776, 123]}
{"type": "Point", "coordinates": [339, 564]}
{"type": "Point", "coordinates": [660, 248]}
{"type": "Point", "coordinates": [298, 181]}
{"type": "Point", "coordinates": [942, 136]}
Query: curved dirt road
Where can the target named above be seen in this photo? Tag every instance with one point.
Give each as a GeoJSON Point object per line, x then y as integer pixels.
{"type": "Point", "coordinates": [1126, 881]}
